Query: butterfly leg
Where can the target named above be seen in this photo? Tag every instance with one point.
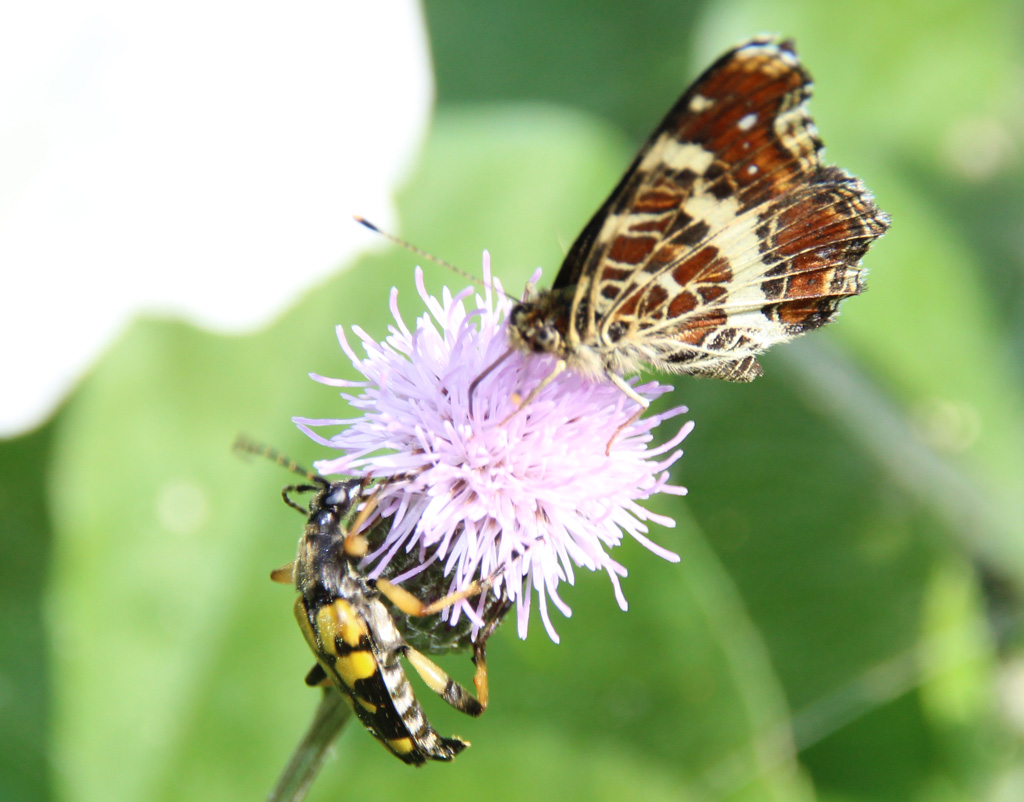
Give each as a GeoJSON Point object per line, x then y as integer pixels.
{"type": "Point", "coordinates": [623, 385]}
{"type": "Point", "coordinates": [485, 374]}
{"type": "Point", "coordinates": [559, 368]}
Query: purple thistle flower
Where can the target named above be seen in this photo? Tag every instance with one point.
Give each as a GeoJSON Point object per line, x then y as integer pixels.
{"type": "Point", "coordinates": [527, 499]}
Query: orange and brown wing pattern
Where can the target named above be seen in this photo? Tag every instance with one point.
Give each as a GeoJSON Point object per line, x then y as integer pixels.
{"type": "Point", "coordinates": [727, 234]}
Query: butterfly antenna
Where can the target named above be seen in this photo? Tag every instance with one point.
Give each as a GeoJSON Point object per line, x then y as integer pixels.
{"type": "Point", "coordinates": [426, 255]}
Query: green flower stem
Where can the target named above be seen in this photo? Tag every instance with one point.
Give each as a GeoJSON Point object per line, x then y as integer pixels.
{"type": "Point", "coordinates": [331, 716]}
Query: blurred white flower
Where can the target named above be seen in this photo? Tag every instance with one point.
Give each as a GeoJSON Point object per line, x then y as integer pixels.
{"type": "Point", "coordinates": [193, 159]}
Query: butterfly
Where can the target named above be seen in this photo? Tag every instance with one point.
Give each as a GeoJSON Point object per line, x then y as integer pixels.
{"type": "Point", "coordinates": [726, 235]}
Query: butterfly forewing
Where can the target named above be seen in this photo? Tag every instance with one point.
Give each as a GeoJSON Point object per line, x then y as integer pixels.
{"type": "Point", "coordinates": [726, 235]}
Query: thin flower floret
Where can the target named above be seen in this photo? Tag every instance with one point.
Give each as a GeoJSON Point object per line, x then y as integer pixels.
{"type": "Point", "coordinates": [481, 484]}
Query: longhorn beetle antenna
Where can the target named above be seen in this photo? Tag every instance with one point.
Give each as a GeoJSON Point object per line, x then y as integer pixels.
{"type": "Point", "coordinates": [243, 445]}
{"type": "Point", "coordinates": [427, 255]}
{"type": "Point", "coordinates": [316, 482]}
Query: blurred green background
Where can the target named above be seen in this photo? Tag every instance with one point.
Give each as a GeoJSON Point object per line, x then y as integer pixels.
{"type": "Point", "coordinates": [845, 622]}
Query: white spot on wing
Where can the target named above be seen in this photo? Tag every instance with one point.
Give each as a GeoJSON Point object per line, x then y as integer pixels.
{"type": "Point", "coordinates": [674, 155]}
{"type": "Point", "coordinates": [699, 103]}
{"type": "Point", "coordinates": [766, 48]}
{"type": "Point", "coordinates": [747, 122]}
